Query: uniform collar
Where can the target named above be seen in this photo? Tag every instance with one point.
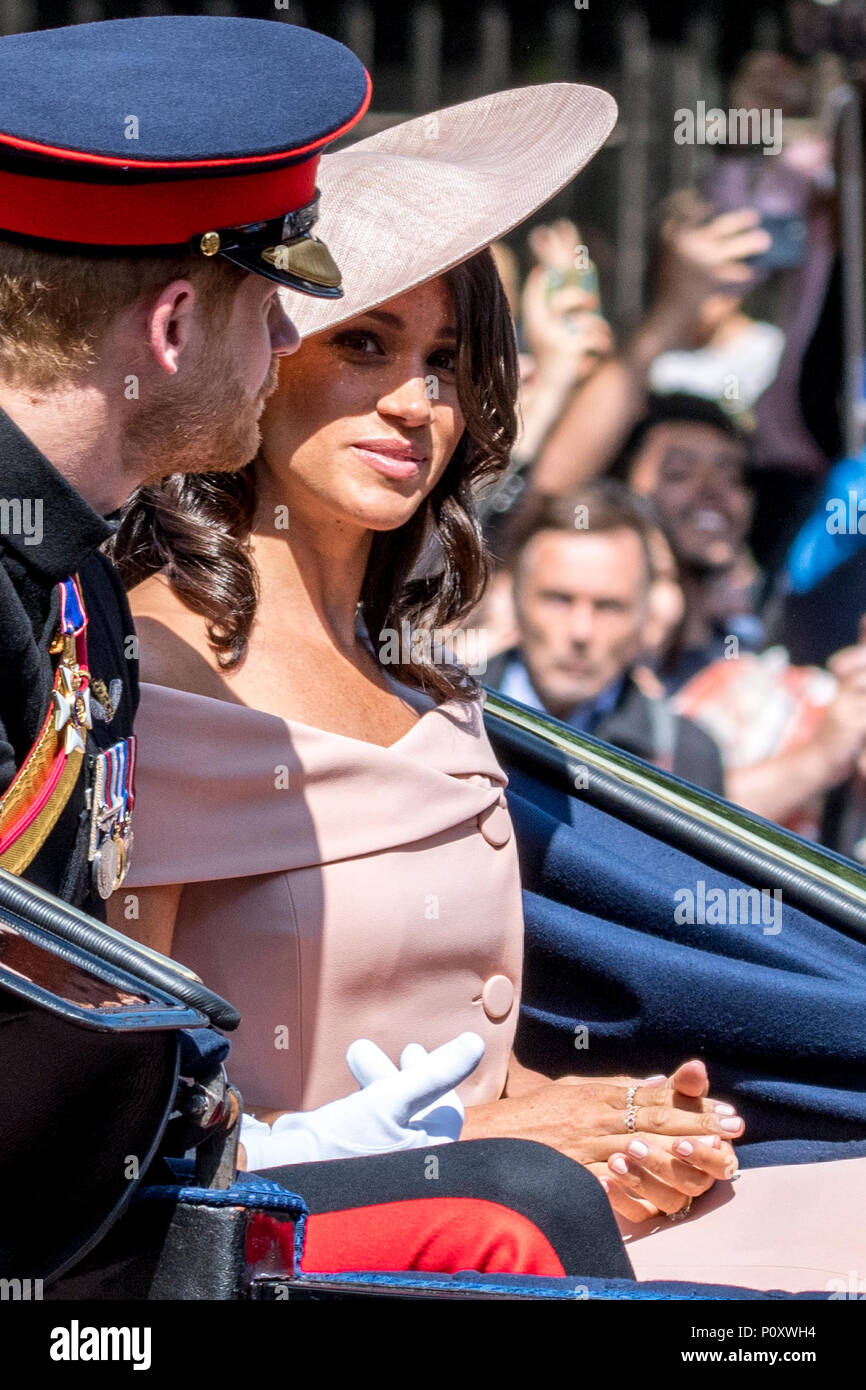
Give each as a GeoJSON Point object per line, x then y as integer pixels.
{"type": "Point", "coordinates": [70, 529]}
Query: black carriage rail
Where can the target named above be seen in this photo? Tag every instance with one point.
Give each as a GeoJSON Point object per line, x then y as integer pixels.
{"type": "Point", "coordinates": [158, 1010]}
{"type": "Point", "coordinates": [25, 908]}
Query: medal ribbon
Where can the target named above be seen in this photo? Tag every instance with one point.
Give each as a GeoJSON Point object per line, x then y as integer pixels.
{"type": "Point", "coordinates": [132, 750]}
{"type": "Point", "coordinates": [120, 776]}
{"type": "Point", "coordinates": [113, 759]}
{"type": "Point", "coordinates": [73, 618]}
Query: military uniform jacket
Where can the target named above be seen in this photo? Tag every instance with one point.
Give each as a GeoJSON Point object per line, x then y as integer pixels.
{"type": "Point", "coordinates": [47, 534]}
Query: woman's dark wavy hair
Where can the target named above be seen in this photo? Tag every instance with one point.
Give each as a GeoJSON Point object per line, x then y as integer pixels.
{"type": "Point", "coordinates": [196, 527]}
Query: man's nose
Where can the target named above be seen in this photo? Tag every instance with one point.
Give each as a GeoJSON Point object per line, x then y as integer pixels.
{"type": "Point", "coordinates": [712, 483]}
{"type": "Point", "coordinates": [580, 625]}
{"type": "Point", "coordinates": [285, 338]}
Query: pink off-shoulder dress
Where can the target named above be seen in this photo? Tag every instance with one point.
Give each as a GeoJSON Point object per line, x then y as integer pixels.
{"type": "Point", "coordinates": [334, 889]}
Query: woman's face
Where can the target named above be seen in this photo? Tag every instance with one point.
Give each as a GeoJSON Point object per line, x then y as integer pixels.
{"type": "Point", "coordinates": [365, 417]}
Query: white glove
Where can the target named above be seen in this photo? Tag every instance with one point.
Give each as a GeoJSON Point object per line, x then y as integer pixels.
{"type": "Point", "coordinates": [407, 1109]}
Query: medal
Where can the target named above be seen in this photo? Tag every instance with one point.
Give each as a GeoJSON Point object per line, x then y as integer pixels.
{"type": "Point", "coordinates": [104, 868]}
{"type": "Point", "coordinates": [71, 692]}
{"type": "Point", "coordinates": [110, 844]}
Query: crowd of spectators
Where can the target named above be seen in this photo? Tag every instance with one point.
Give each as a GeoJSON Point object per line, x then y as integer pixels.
{"type": "Point", "coordinates": [680, 542]}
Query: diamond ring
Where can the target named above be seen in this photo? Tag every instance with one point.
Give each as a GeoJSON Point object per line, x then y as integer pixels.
{"type": "Point", "coordinates": [630, 1110]}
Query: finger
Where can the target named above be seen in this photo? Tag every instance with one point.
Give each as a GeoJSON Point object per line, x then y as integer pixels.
{"type": "Point", "coordinates": [738, 248]}
{"type": "Point", "coordinates": [602, 348]}
{"type": "Point", "coordinates": [368, 1063]}
{"type": "Point", "coordinates": [657, 1160]}
{"type": "Point", "coordinates": [628, 1206]}
{"type": "Point", "coordinates": [668, 1119]}
{"type": "Point", "coordinates": [664, 1093]}
{"type": "Point", "coordinates": [668, 1092]}
{"type": "Point", "coordinates": [733, 277]}
{"type": "Point", "coordinates": [412, 1054]}
{"type": "Point", "coordinates": [707, 1152]}
{"type": "Point", "coordinates": [440, 1071]}
{"type": "Point", "coordinates": [571, 299]}
{"type": "Point", "coordinates": [566, 230]}
{"type": "Point", "coordinates": [855, 680]}
{"type": "Point", "coordinates": [622, 1202]}
{"type": "Point", "coordinates": [539, 240]}
{"type": "Point", "coordinates": [727, 223]}
{"type": "Point", "coordinates": [639, 1182]}
{"type": "Point", "coordinates": [691, 1078]}
{"type": "Point", "coordinates": [596, 335]}
{"type": "Point", "coordinates": [625, 1081]}
{"type": "Point", "coordinates": [847, 660]}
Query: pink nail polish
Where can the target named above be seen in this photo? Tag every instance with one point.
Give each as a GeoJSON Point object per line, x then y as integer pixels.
{"type": "Point", "coordinates": [618, 1165]}
{"type": "Point", "coordinates": [684, 1148]}
{"type": "Point", "coordinates": [712, 1140]}
{"type": "Point", "coordinates": [730, 1126]}
{"type": "Point", "coordinates": [638, 1148]}
{"type": "Point", "coordinates": [722, 1109]}
{"type": "Point", "coordinates": [650, 1080]}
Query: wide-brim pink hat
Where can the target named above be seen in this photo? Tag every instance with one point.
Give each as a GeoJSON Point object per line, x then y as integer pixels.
{"type": "Point", "coordinates": [406, 204]}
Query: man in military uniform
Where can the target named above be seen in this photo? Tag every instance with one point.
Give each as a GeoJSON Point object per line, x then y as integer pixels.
{"type": "Point", "coordinates": [144, 230]}
{"type": "Point", "coordinates": [30, 577]}
{"type": "Point", "coordinates": [135, 341]}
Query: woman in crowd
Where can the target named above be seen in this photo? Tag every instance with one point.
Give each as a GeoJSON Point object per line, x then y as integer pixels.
{"type": "Point", "coordinates": [322, 831]}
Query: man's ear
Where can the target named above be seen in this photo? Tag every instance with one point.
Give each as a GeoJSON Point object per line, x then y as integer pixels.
{"type": "Point", "coordinates": [170, 323]}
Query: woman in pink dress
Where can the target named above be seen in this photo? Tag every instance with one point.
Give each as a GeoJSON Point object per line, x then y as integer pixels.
{"type": "Point", "coordinates": [322, 831]}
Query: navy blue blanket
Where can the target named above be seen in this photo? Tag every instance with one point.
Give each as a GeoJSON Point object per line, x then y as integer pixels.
{"type": "Point", "coordinates": [617, 979]}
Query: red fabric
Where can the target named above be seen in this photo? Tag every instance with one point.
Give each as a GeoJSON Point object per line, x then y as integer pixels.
{"type": "Point", "coordinates": [431, 1234]}
{"type": "Point", "coordinates": [269, 1236]}
{"type": "Point", "coordinates": [149, 214]}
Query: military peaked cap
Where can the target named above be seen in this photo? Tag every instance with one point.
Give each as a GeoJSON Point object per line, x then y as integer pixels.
{"type": "Point", "coordinates": [176, 132]}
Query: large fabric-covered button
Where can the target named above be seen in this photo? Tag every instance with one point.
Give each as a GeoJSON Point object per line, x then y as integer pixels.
{"type": "Point", "coordinates": [497, 996]}
{"type": "Point", "coordinates": [495, 824]}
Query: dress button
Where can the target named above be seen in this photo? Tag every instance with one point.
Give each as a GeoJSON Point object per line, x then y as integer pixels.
{"type": "Point", "coordinates": [495, 824]}
{"type": "Point", "coordinates": [497, 997]}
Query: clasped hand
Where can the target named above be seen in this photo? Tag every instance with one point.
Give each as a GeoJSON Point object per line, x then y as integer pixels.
{"type": "Point", "coordinates": [680, 1145]}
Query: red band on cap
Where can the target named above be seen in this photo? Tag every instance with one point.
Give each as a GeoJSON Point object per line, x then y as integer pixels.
{"type": "Point", "coordinates": [149, 214]}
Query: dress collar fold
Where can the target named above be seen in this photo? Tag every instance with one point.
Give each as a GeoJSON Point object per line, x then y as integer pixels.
{"type": "Point", "coordinates": [225, 791]}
